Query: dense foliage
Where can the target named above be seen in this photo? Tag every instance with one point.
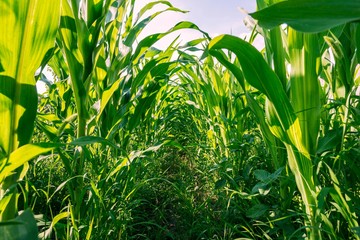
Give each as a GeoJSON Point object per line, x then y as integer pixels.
{"type": "Point", "coordinates": [212, 139]}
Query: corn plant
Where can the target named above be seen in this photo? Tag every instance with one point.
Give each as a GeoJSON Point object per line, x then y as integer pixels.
{"type": "Point", "coordinates": [294, 117]}
{"type": "Point", "coordinates": [222, 115]}
{"type": "Point", "coordinates": [209, 91]}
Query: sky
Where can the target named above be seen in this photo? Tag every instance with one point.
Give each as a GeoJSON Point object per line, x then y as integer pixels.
{"type": "Point", "coordinates": [212, 16]}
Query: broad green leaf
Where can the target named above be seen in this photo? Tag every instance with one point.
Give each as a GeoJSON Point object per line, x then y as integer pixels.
{"type": "Point", "coordinates": [264, 127]}
{"type": "Point", "coordinates": [262, 175]}
{"type": "Point", "coordinates": [28, 32]}
{"type": "Point", "coordinates": [257, 211]}
{"type": "Point", "coordinates": [330, 140]}
{"type": "Point", "coordinates": [106, 96]}
{"type": "Point", "coordinates": [266, 177]}
{"type": "Point", "coordinates": [22, 155]}
{"type": "Point", "coordinates": [302, 168]}
{"type": "Point", "coordinates": [309, 15]}
{"type": "Point", "coordinates": [232, 67]}
{"type": "Point", "coordinates": [257, 72]}
{"type": "Point", "coordinates": [22, 227]}
{"type": "Point", "coordinates": [305, 88]}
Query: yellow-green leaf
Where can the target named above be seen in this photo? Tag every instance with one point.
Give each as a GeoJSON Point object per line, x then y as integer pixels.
{"type": "Point", "coordinates": [258, 73]}
{"type": "Point", "coordinates": [23, 155]}
{"type": "Point", "coordinates": [28, 31]}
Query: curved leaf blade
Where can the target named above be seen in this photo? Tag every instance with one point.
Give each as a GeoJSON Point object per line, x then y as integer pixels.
{"type": "Point", "coordinates": [257, 72]}
{"type": "Point", "coordinates": [22, 227]}
{"type": "Point", "coordinates": [309, 15]}
{"type": "Point", "coordinates": [29, 29]}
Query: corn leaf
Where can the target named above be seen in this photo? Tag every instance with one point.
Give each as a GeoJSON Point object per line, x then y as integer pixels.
{"type": "Point", "coordinates": [28, 32]}
{"type": "Point", "coordinates": [136, 30]}
{"type": "Point", "coordinates": [55, 220]}
{"type": "Point", "coordinates": [257, 72]}
{"type": "Point", "coordinates": [68, 34]}
{"type": "Point", "coordinates": [309, 15]}
{"type": "Point", "coordinates": [305, 88]}
{"type": "Point", "coordinates": [82, 141]}
{"type": "Point", "coordinates": [22, 227]}
{"type": "Point", "coordinates": [147, 42]}
{"type": "Point", "coordinates": [331, 140]}
{"type": "Point", "coordinates": [23, 155]}
{"type": "Point", "coordinates": [29, 151]}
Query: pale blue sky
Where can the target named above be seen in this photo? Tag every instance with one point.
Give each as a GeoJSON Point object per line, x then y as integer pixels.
{"type": "Point", "coordinates": [216, 16]}
{"type": "Point", "coordinates": [212, 16]}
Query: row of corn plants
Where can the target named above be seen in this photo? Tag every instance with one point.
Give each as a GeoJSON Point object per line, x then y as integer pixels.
{"type": "Point", "coordinates": [293, 97]}
{"type": "Point", "coordinates": [116, 103]}
{"type": "Point", "coordinates": [106, 84]}
{"type": "Point", "coordinates": [116, 83]}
